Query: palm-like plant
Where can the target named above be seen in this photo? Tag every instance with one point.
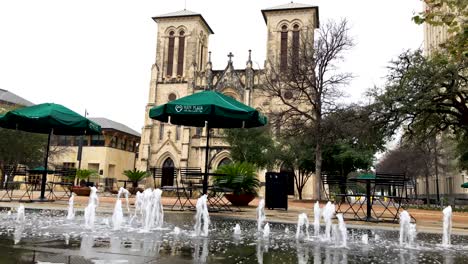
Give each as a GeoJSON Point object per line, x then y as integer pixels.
{"type": "Point", "coordinates": [240, 177]}
{"type": "Point", "coordinates": [135, 176]}
{"type": "Point", "coordinates": [84, 174]}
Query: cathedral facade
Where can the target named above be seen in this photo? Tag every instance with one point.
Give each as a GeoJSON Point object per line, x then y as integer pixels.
{"type": "Point", "coordinates": [183, 66]}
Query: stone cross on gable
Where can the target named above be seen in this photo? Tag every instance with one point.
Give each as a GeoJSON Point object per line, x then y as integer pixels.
{"type": "Point", "coordinates": [230, 55]}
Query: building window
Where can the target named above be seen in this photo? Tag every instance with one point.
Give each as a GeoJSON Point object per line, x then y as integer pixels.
{"type": "Point", "coordinates": [224, 161]}
{"type": "Point", "coordinates": [198, 131]}
{"type": "Point", "coordinates": [97, 140]}
{"type": "Point", "coordinates": [177, 133]}
{"type": "Point", "coordinates": [295, 45]}
{"type": "Point", "coordinates": [180, 56]}
{"type": "Point", "coordinates": [77, 140]}
{"type": "Point", "coordinates": [284, 48]}
{"type": "Point", "coordinates": [68, 165]}
{"type": "Point", "coordinates": [113, 142]}
{"type": "Point", "coordinates": [170, 54]}
{"type": "Point", "coordinates": [123, 144]}
{"type": "Point", "coordinates": [201, 56]}
{"type": "Point", "coordinates": [64, 141]}
{"type": "Point", "coordinates": [161, 131]}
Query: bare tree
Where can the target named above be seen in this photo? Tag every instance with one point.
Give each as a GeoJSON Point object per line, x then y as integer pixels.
{"type": "Point", "coordinates": [308, 88]}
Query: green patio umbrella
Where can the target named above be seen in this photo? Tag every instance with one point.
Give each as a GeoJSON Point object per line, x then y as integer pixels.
{"type": "Point", "coordinates": [48, 119]}
{"type": "Point", "coordinates": [365, 176]}
{"type": "Point", "coordinates": [465, 185]}
{"type": "Point", "coordinates": [210, 108]}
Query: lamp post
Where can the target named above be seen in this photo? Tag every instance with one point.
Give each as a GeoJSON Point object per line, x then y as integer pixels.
{"type": "Point", "coordinates": [80, 146]}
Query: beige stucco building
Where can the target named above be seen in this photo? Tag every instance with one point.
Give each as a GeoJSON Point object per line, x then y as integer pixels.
{"type": "Point", "coordinates": [108, 154]}
{"type": "Point", "coordinates": [183, 66]}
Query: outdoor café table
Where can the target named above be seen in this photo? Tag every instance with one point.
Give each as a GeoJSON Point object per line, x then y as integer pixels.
{"type": "Point", "coordinates": [367, 179]}
{"type": "Point", "coordinates": [215, 194]}
{"type": "Point", "coordinates": [37, 174]}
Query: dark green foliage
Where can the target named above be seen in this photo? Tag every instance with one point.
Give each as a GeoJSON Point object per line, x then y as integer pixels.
{"type": "Point", "coordinates": [240, 177]}
{"type": "Point", "coordinates": [253, 145]}
{"type": "Point", "coordinates": [426, 95]}
{"type": "Point", "coordinates": [135, 175]}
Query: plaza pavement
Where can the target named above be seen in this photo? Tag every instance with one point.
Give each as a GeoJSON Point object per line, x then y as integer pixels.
{"type": "Point", "coordinates": [427, 220]}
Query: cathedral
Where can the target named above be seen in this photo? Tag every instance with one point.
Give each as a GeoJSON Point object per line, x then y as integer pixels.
{"type": "Point", "coordinates": [183, 66]}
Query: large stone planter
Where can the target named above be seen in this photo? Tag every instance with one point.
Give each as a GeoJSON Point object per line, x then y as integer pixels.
{"type": "Point", "coordinates": [239, 199]}
{"type": "Point", "coordinates": [81, 191]}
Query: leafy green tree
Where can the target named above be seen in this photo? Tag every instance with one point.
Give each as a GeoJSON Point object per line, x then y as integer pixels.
{"type": "Point", "coordinates": [295, 152]}
{"type": "Point", "coordinates": [253, 145]}
{"type": "Point", "coordinates": [18, 147]}
{"type": "Point", "coordinates": [452, 15]}
{"type": "Point", "coordinates": [306, 89]}
{"type": "Point", "coordinates": [424, 95]}
{"type": "Point", "coordinates": [350, 140]}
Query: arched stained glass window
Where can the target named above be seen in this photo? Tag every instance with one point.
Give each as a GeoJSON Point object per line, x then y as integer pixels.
{"type": "Point", "coordinates": [170, 54]}
{"type": "Point", "coordinates": [180, 55]}
{"type": "Point", "coordinates": [284, 48]}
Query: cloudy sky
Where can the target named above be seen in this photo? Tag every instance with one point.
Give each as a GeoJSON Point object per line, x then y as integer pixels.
{"type": "Point", "coordinates": [97, 54]}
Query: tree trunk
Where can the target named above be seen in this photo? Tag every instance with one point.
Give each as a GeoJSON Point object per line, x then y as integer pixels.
{"type": "Point", "coordinates": [427, 185]}
{"type": "Point", "coordinates": [318, 171]}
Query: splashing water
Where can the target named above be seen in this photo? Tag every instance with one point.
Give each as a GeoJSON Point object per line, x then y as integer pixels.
{"type": "Point", "coordinates": [202, 218]}
{"type": "Point", "coordinates": [302, 230]}
{"type": "Point", "coordinates": [407, 230]}
{"type": "Point", "coordinates": [327, 214]}
{"type": "Point", "coordinates": [90, 210]}
{"type": "Point", "coordinates": [71, 210]}
{"type": "Point", "coordinates": [266, 231]}
{"type": "Point", "coordinates": [20, 216]}
{"type": "Point", "coordinates": [260, 215]}
{"type": "Point", "coordinates": [176, 231]}
{"type": "Point", "coordinates": [117, 216]}
{"type": "Point", "coordinates": [67, 238]}
{"type": "Point", "coordinates": [342, 231]}
{"type": "Point", "coordinates": [237, 230]}
{"type": "Point", "coordinates": [365, 239]}
{"type": "Point", "coordinates": [447, 226]}
{"type": "Point", "coordinates": [317, 219]}
{"type": "Point", "coordinates": [126, 193]}
{"type": "Point", "coordinates": [20, 219]}
{"type": "Point", "coordinates": [152, 209]}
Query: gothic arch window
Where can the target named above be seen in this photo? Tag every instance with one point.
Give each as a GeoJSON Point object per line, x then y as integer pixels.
{"type": "Point", "coordinates": [170, 54]}
{"type": "Point", "coordinates": [168, 163]}
{"type": "Point", "coordinates": [180, 55]}
{"type": "Point", "coordinates": [284, 48]}
{"type": "Point", "coordinates": [295, 45]}
{"type": "Point", "coordinates": [177, 133]}
{"type": "Point", "coordinates": [161, 131]}
{"type": "Point", "coordinates": [225, 161]}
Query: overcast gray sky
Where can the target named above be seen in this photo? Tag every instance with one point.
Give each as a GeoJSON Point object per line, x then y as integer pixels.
{"type": "Point", "coordinates": [97, 54]}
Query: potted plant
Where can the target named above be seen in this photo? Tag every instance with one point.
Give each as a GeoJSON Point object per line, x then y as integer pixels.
{"type": "Point", "coordinates": [241, 179]}
{"type": "Point", "coordinates": [83, 176]}
{"type": "Point", "coordinates": [135, 176]}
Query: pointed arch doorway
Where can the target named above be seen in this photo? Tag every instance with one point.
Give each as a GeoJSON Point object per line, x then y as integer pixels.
{"type": "Point", "coordinates": [168, 172]}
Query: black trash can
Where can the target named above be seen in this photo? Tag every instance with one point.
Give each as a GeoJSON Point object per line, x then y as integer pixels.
{"type": "Point", "coordinates": [276, 190]}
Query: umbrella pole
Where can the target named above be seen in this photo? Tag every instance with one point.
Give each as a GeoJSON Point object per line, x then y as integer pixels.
{"type": "Point", "coordinates": [205, 177]}
{"type": "Point", "coordinates": [44, 173]}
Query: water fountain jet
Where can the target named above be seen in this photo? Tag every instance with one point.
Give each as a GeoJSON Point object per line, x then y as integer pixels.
{"type": "Point", "coordinates": [447, 226]}
{"type": "Point", "coordinates": [302, 230]}
{"type": "Point", "coordinates": [202, 218]}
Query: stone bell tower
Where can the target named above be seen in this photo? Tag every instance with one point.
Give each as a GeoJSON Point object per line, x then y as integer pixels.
{"type": "Point", "coordinates": [286, 25]}
{"type": "Point", "coordinates": [181, 56]}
